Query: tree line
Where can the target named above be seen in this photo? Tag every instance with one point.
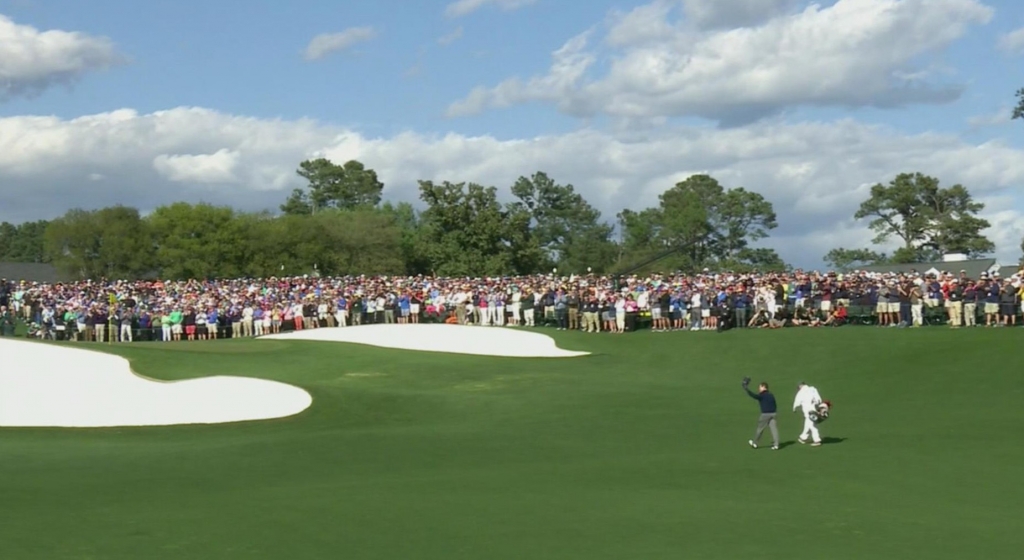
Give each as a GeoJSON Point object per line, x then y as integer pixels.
{"type": "Point", "coordinates": [927, 220]}
{"type": "Point", "coordinates": [339, 224]}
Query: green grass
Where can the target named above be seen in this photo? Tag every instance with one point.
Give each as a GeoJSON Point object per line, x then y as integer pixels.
{"type": "Point", "coordinates": [637, 452]}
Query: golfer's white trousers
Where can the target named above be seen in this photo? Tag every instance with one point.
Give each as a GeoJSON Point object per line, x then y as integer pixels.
{"type": "Point", "coordinates": [810, 429]}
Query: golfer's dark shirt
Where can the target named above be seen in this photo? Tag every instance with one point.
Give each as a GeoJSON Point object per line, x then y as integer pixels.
{"type": "Point", "coordinates": [766, 399]}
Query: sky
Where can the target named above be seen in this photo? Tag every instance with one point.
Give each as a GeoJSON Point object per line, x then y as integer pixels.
{"type": "Point", "coordinates": [808, 103]}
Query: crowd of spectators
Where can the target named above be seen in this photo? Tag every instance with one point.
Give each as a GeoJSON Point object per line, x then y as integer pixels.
{"type": "Point", "coordinates": [125, 311]}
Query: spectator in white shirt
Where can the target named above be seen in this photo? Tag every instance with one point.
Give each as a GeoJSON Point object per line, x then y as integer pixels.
{"type": "Point", "coordinates": [247, 321]}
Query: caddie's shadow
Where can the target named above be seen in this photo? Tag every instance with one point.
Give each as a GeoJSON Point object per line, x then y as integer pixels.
{"type": "Point", "coordinates": [824, 441]}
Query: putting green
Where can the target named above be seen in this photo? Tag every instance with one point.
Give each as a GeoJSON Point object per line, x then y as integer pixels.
{"type": "Point", "coordinates": [638, 451]}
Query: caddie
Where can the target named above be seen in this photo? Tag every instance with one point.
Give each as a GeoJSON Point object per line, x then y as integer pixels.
{"type": "Point", "coordinates": [808, 399]}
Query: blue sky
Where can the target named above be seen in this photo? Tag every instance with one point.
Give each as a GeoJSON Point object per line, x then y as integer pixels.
{"type": "Point", "coordinates": [656, 90]}
{"type": "Point", "coordinates": [245, 57]}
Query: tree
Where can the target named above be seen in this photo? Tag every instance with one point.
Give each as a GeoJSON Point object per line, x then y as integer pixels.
{"type": "Point", "coordinates": [565, 225]}
{"type": "Point", "coordinates": [760, 259]}
{"type": "Point", "coordinates": [111, 242]}
{"type": "Point", "coordinates": [362, 241]}
{"type": "Point", "coordinates": [928, 219]}
{"type": "Point", "coordinates": [710, 226]}
{"type": "Point", "coordinates": [198, 241]}
{"type": "Point", "coordinates": [844, 260]}
{"type": "Point", "coordinates": [1018, 113]}
{"type": "Point", "coordinates": [467, 232]}
{"type": "Point", "coordinates": [413, 245]}
{"type": "Point", "coordinates": [297, 204]}
{"type": "Point", "coordinates": [72, 244]}
{"type": "Point", "coordinates": [526, 255]}
{"type": "Point", "coordinates": [23, 242]}
{"type": "Point", "coordinates": [343, 187]}
{"type": "Point", "coordinates": [265, 240]}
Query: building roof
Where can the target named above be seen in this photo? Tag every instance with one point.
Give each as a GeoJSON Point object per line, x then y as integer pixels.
{"type": "Point", "coordinates": [29, 272]}
{"type": "Point", "coordinates": [973, 268]}
{"type": "Point", "coordinates": [1007, 271]}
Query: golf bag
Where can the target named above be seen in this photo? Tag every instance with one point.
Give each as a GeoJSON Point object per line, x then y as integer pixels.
{"type": "Point", "coordinates": [821, 413]}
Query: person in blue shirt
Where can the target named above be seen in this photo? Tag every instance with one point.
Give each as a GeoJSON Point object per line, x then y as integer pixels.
{"type": "Point", "coordinates": [741, 309]}
{"type": "Point", "coordinates": [766, 401]}
{"type": "Point", "coordinates": [403, 308]}
{"type": "Point", "coordinates": [212, 325]}
{"type": "Point", "coordinates": [145, 323]}
{"type": "Point", "coordinates": [676, 305]}
{"type": "Point", "coordinates": [992, 304]}
{"type": "Point", "coordinates": [341, 307]}
{"type": "Point", "coordinates": [934, 293]}
{"type": "Point", "coordinates": [257, 320]}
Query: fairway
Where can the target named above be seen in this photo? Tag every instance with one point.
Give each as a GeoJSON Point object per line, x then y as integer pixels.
{"type": "Point", "coordinates": [638, 451]}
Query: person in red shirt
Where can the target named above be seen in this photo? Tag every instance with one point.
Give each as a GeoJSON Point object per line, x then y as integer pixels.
{"type": "Point", "coordinates": [837, 317]}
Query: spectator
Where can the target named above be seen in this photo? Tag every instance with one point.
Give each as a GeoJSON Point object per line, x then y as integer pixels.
{"type": "Point", "coordinates": [6, 321]}
{"type": "Point", "coordinates": [698, 301]}
{"type": "Point", "coordinates": [1008, 305]}
{"type": "Point", "coordinates": [992, 293]}
{"type": "Point", "coordinates": [971, 295]}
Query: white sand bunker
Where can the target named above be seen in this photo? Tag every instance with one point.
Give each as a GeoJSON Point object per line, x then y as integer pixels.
{"type": "Point", "coordinates": [456, 339]}
{"type": "Point", "coordinates": [43, 385]}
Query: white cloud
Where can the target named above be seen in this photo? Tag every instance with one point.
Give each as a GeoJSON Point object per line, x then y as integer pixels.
{"type": "Point", "coordinates": [461, 8]}
{"type": "Point", "coordinates": [1003, 116]}
{"type": "Point", "coordinates": [853, 53]}
{"type": "Point", "coordinates": [815, 173]}
{"type": "Point", "coordinates": [1012, 42]}
{"type": "Point", "coordinates": [216, 168]}
{"type": "Point", "coordinates": [450, 37]}
{"type": "Point", "coordinates": [327, 43]}
{"type": "Point", "coordinates": [711, 14]}
{"type": "Point", "coordinates": [1007, 228]}
{"type": "Point", "coordinates": [644, 24]}
{"type": "Point", "coordinates": [32, 61]}
{"type": "Point", "coordinates": [570, 63]}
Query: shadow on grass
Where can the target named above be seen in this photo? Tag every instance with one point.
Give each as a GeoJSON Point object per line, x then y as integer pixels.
{"type": "Point", "coordinates": [824, 441]}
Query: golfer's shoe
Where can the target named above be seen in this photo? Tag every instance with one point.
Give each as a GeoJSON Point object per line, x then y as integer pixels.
{"type": "Point", "coordinates": [775, 447]}
{"type": "Point", "coordinates": [752, 444]}
{"type": "Point", "coordinates": [816, 444]}
{"type": "Point", "coordinates": [801, 440]}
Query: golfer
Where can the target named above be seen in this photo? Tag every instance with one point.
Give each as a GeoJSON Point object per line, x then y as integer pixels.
{"type": "Point", "coordinates": [808, 399]}
{"type": "Point", "coordinates": [768, 410]}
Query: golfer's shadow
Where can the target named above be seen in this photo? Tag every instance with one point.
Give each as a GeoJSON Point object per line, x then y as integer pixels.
{"type": "Point", "coordinates": [824, 441]}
